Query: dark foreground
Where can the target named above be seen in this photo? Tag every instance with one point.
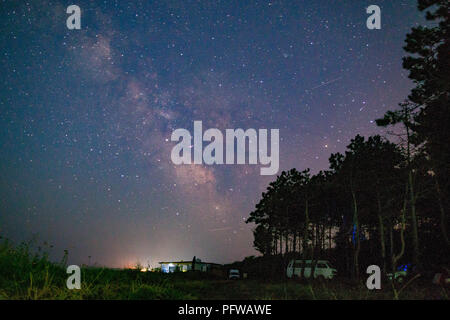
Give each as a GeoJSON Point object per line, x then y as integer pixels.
{"type": "Point", "coordinates": [24, 275]}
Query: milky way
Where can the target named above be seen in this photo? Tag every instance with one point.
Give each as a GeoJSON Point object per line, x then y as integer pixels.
{"type": "Point", "coordinates": [86, 115]}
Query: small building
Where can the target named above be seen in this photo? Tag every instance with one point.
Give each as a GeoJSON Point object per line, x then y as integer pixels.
{"type": "Point", "coordinates": [184, 266]}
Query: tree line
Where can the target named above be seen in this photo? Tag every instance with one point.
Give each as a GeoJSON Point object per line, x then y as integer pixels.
{"type": "Point", "coordinates": [380, 202]}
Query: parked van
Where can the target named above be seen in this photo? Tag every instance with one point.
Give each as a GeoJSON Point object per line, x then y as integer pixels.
{"type": "Point", "coordinates": [323, 269]}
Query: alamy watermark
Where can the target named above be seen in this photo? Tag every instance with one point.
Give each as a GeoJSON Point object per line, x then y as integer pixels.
{"type": "Point", "coordinates": [74, 20]}
{"type": "Point", "coordinates": [374, 279]}
{"type": "Point", "coordinates": [235, 142]}
{"type": "Point", "coordinates": [74, 280]}
{"type": "Point", "coordinates": [374, 20]}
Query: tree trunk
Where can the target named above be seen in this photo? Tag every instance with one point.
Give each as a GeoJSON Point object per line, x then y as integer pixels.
{"type": "Point", "coordinates": [305, 237]}
{"type": "Point", "coordinates": [281, 244]}
{"type": "Point", "coordinates": [381, 227]}
{"type": "Point", "coordinates": [442, 211]}
{"type": "Point", "coordinates": [329, 238]}
{"type": "Point", "coordinates": [294, 242]}
{"type": "Point", "coordinates": [413, 220]}
{"type": "Point", "coordinates": [402, 234]}
{"type": "Point", "coordinates": [286, 240]}
{"type": "Point", "coordinates": [391, 238]}
{"type": "Point", "coordinates": [358, 243]}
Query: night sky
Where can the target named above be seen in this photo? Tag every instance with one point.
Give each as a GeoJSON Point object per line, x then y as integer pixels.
{"type": "Point", "coordinates": [86, 115]}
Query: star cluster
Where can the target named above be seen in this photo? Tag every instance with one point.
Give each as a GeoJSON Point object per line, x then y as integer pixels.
{"type": "Point", "coordinates": [86, 115]}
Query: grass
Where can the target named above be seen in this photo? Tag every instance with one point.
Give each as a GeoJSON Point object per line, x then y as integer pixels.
{"type": "Point", "coordinates": [30, 275]}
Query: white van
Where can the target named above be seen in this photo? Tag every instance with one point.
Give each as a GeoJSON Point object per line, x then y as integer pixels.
{"type": "Point", "coordinates": [323, 269]}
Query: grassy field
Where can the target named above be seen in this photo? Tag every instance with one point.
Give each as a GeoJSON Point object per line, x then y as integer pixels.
{"type": "Point", "coordinates": [26, 275]}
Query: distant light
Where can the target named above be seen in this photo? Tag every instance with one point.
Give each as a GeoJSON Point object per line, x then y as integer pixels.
{"type": "Point", "coordinates": [144, 270]}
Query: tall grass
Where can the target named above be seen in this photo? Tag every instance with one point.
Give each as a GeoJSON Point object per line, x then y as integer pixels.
{"type": "Point", "coordinates": [27, 273]}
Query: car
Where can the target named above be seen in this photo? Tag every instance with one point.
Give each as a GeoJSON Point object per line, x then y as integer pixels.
{"type": "Point", "coordinates": [234, 274]}
{"type": "Point", "coordinates": [323, 269]}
